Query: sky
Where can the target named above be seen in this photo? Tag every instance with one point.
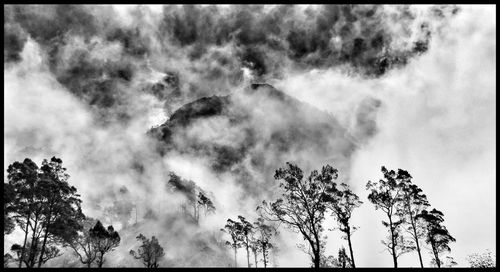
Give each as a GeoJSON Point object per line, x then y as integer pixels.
{"type": "Point", "coordinates": [86, 86]}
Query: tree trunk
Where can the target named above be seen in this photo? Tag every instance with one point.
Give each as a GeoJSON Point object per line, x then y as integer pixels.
{"type": "Point", "coordinates": [235, 263]}
{"type": "Point", "coordinates": [393, 245]}
{"type": "Point", "coordinates": [255, 257]}
{"type": "Point", "coordinates": [436, 255]}
{"type": "Point", "coordinates": [350, 246]}
{"type": "Point", "coordinates": [316, 258]}
{"type": "Point", "coordinates": [264, 255]}
{"type": "Point", "coordinates": [25, 239]}
{"type": "Point", "coordinates": [248, 255]}
{"type": "Point", "coordinates": [33, 248]}
{"type": "Point", "coordinates": [100, 261]}
{"type": "Point", "coordinates": [44, 242]}
{"type": "Point", "coordinates": [416, 242]}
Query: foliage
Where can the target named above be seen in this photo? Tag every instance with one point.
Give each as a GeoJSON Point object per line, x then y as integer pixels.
{"type": "Point", "coordinates": [150, 252]}
{"type": "Point", "coordinates": [437, 235]}
{"type": "Point", "coordinates": [83, 244]}
{"type": "Point", "coordinates": [342, 201]}
{"type": "Point", "coordinates": [233, 229]}
{"type": "Point", "coordinates": [44, 205]}
{"type": "Point", "coordinates": [483, 260]}
{"type": "Point", "coordinates": [106, 240]}
{"type": "Point", "coordinates": [387, 195]}
{"type": "Point", "coordinates": [301, 206]}
{"type": "Point", "coordinates": [414, 202]}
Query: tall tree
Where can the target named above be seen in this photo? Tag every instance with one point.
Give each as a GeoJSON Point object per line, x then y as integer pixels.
{"type": "Point", "coordinates": [23, 179]}
{"type": "Point", "coordinates": [437, 235]}
{"type": "Point", "coordinates": [150, 252]}
{"type": "Point", "coordinates": [61, 204]}
{"type": "Point", "coordinates": [246, 231]}
{"type": "Point", "coordinates": [233, 228]}
{"type": "Point", "coordinates": [414, 202]}
{"type": "Point", "coordinates": [301, 206]}
{"type": "Point", "coordinates": [43, 203]}
{"type": "Point", "coordinates": [264, 233]}
{"type": "Point", "coordinates": [342, 201]}
{"type": "Point", "coordinates": [387, 196]}
{"type": "Point", "coordinates": [106, 241]}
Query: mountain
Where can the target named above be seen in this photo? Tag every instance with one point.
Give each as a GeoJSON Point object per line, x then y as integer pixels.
{"type": "Point", "coordinates": [254, 131]}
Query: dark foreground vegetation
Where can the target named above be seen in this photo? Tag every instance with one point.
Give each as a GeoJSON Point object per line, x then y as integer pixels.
{"type": "Point", "coordinates": [47, 209]}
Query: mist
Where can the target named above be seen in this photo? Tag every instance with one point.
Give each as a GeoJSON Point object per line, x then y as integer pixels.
{"type": "Point", "coordinates": [401, 86]}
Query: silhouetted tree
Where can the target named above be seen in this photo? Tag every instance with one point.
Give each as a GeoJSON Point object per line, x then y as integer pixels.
{"type": "Point", "coordinates": [9, 208]}
{"type": "Point", "coordinates": [106, 241]}
{"type": "Point", "coordinates": [23, 179]}
{"type": "Point", "coordinates": [387, 196]}
{"type": "Point", "coordinates": [483, 260]}
{"type": "Point", "coordinates": [263, 232]}
{"type": "Point", "coordinates": [437, 235]}
{"type": "Point", "coordinates": [33, 253]}
{"type": "Point", "coordinates": [343, 260]}
{"type": "Point", "coordinates": [342, 202]}
{"type": "Point", "coordinates": [150, 252]}
{"type": "Point", "coordinates": [302, 204]}
{"type": "Point", "coordinates": [83, 244]}
{"type": "Point", "coordinates": [246, 230]}
{"type": "Point", "coordinates": [45, 205]}
{"type": "Point", "coordinates": [414, 202]}
{"type": "Point", "coordinates": [61, 203]}
{"type": "Point", "coordinates": [233, 228]}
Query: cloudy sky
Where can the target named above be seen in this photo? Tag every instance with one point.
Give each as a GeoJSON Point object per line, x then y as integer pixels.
{"type": "Point", "coordinates": [410, 87]}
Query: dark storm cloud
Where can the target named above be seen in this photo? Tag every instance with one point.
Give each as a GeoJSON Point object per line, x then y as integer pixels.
{"type": "Point", "coordinates": [205, 47]}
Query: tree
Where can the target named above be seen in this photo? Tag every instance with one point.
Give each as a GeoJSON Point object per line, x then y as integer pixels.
{"type": "Point", "coordinates": [414, 202]}
{"type": "Point", "coordinates": [150, 252]}
{"type": "Point", "coordinates": [437, 235]}
{"type": "Point", "coordinates": [387, 196]}
{"type": "Point", "coordinates": [62, 208]}
{"type": "Point", "coordinates": [34, 252]}
{"type": "Point", "coordinates": [44, 205]}
{"type": "Point", "coordinates": [343, 260]}
{"type": "Point", "coordinates": [264, 232]}
{"type": "Point", "coordinates": [246, 230]}
{"type": "Point", "coordinates": [233, 229]}
{"type": "Point", "coordinates": [342, 202]}
{"type": "Point", "coordinates": [23, 179]}
{"type": "Point", "coordinates": [83, 244]}
{"type": "Point", "coordinates": [301, 206]}
{"type": "Point", "coordinates": [195, 196]}
{"type": "Point", "coordinates": [255, 247]}
{"type": "Point", "coordinates": [106, 240]}
{"type": "Point", "coordinates": [9, 196]}
{"type": "Point", "coordinates": [483, 260]}
{"type": "Point", "coordinates": [205, 203]}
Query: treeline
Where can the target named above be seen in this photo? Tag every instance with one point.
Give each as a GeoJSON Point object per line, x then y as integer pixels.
{"type": "Point", "coordinates": [47, 209]}
{"type": "Point", "coordinates": [306, 200]}
{"type": "Point", "coordinates": [40, 201]}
